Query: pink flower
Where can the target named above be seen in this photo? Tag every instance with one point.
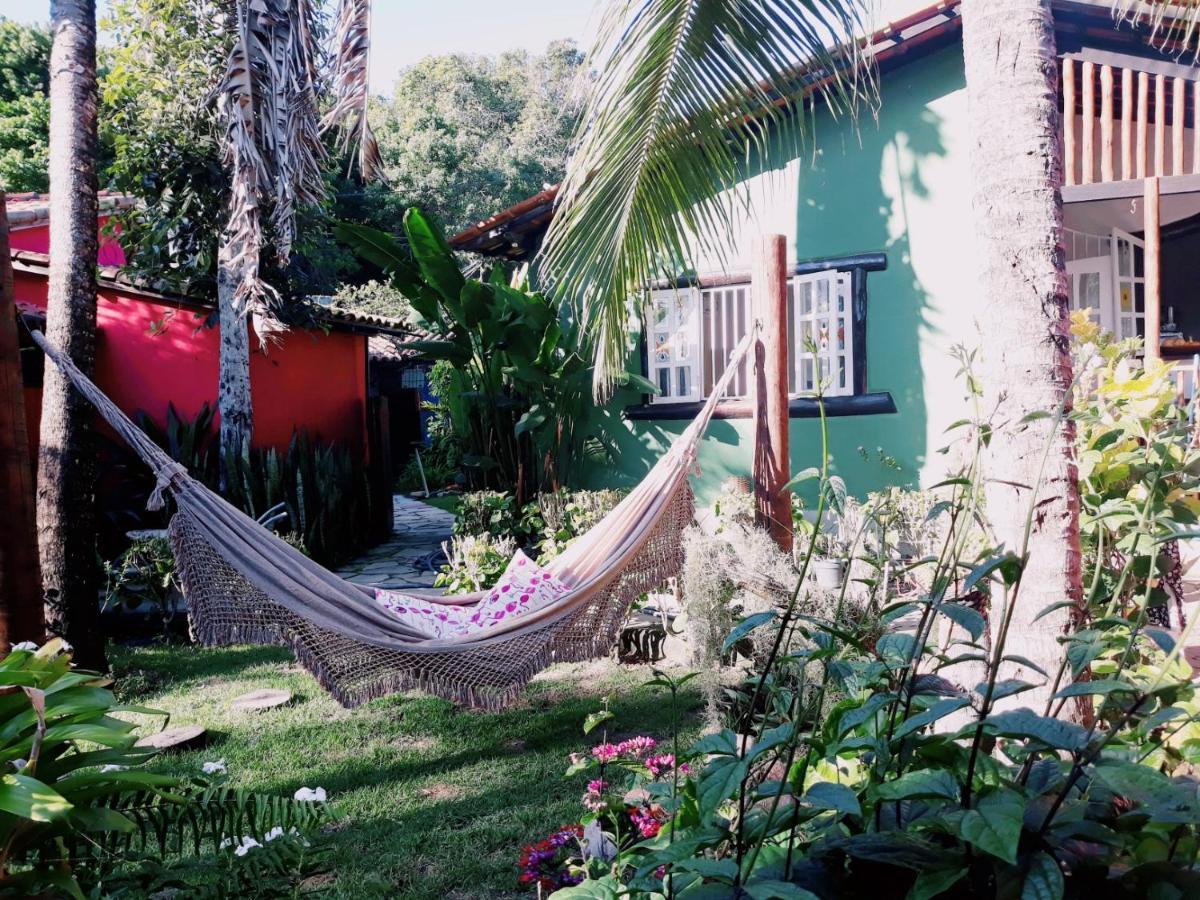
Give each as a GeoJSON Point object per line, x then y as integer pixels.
{"type": "Point", "coordinates": [647, 820]}
{"type": "Point", "coordinates": [605, 752]}
{"type": "Point", "coordinates": [637, 747]}
{"type": "Point", "coordinates": [661, 765]}
{"type": "Point", "coordinates": [593, 800]}
{"type": "Point", "coordinates": [597, 786]}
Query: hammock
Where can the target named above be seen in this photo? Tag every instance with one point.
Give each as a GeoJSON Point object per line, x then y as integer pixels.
{"type": "Point", "coordinates": [244, 584]}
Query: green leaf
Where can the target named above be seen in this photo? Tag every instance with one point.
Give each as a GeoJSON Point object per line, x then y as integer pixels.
{"type": "Point", "coordinates": [720, 781]}
{"type": "Point", "coordinates": [920, 784]}
{"type": "Point", "coordinates": [596, 718]}
{"type": "Point", "coordinates": [1007, 565]}
{"type": "Point", "coordinates": [447, 350]}
{"type": "Point", "coordinates": [776, 890]}
{"type": "Point", "coordinates": [934, 883]}
{"type": "Point", "coordinates": [1025, 723]}
{"type": "Point", "coordinates": [606, 888]}
{"type": "Point", "coordinates": [29, 798]}
{"type": "Point", "coordinates": [965, 617]}
{"type": "Point", "coordinates": [1061, 604]}
{"type": "Point", "coordinates": [1103, 686]}
{"type": "Point", "coordinates": [937, 711]}
{"type": "Point", "coordinates": [994, 825]}
{"type": "Point", "coordinates": [743, 628]}
{"type": "Point", "coordinates": [433, 255]}
{"type": "Point", "coordinates": [830, 795]}
{"type": "Point", "coordinates": [1044, 879]}
{"type": "Point", "coordinates": [802, 476]}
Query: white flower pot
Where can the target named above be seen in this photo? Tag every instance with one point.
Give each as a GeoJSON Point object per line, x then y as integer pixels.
{"type": "Point", "coordinates": [829, 573]}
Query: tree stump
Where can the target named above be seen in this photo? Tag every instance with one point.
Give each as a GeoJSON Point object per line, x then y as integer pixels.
{"type": "Point", "coordinates": [180, 737]}
{"type": "Point", "coordinates": [256, 701]}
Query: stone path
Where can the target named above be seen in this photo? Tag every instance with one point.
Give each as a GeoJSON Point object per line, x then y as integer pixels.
{"type": "Point", "coordinates": [418, 531]}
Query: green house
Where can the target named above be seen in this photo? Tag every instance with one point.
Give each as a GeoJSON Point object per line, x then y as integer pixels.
{"type": "Point", "coordinates": [877, 216]}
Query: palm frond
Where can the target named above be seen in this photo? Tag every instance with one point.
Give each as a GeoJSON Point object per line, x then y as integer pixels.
{"type": "Point", "coordinates": [1174, 26]}
{"type": "Point", "coordinates": [687, 95]}
{"type": "Point", "coordinates": [351, 86]}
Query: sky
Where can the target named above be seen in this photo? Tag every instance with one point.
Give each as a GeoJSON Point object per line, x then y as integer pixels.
{"type": "Point", "coordinates": [404, 31]}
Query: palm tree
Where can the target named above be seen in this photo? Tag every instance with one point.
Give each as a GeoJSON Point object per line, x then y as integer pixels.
{"type": "Point", "coordinates": [20, 576]}
{"type": "Point", "coordinates": [66, 459]}
{"type": "Point", "coordinates": [275, 155]}
{"type": "Point", "coordinates": [1016, 160]}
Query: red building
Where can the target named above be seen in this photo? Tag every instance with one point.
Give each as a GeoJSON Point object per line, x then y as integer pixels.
{"type": "Point", "coordinates": [155, 349]}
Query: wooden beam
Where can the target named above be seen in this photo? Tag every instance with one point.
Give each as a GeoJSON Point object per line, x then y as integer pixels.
{"type": "Point", "coordinates": [1160, 125]}
{"type": "Point", "coordinates": [1127, 123]}
{"type": "Point", "coordinates": [772, 456]}
{"type": "Point", "coordinates": [1089, 122]}
{"type": "Point", "coordinates": [1106, 124]}
{"type": "Point", "coordinates": [1143, 124]}
{"type": "Point", "coordinates": [1178, 86]}
{"type": "Point", "coordinates": [1068, 79]}
{"type": "Point", "coordinates": [1153, 263]}
{"type": "Point", "coordinates": [21, 611]}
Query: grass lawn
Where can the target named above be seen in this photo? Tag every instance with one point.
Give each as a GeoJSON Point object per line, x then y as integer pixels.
{"type": "Point", "coordinates": [435, 802]}
{"type": "Point", "coordinates": [448, 502]}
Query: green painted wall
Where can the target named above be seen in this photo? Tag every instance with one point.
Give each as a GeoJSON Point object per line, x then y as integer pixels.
{"type": "Point", "coordinates": [900, 185]}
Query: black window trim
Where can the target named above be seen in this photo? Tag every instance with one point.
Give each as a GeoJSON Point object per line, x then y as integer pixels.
{"type": "Point", "coordinates": [861, 403]}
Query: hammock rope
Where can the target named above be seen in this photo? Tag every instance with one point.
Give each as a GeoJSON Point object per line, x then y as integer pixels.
{"type": "Point", "coordinates": [244, 584]}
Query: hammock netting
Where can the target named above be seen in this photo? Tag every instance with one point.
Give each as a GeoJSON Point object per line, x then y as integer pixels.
{"type": "Point", "coordinates": [244, 585]}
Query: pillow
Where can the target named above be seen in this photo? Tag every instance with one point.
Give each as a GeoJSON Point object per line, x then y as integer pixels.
{"type": "Point", "coordinates": [523, 588]}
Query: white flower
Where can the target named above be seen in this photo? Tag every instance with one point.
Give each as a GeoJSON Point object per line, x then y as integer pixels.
{"type": "Point", "coordinates": [241, 846]}
{"type": "Point", "coordinates": [19, 764]}
{"type": "Point", "coordinates": [248, 844]}
{"type": "Point", "coordinates": [214, 768]}
{"type": "Point", "coordinates": [26, 645]}
{"type": "Point", "coordinates": [311, 795]}
{"type": "Point", "coordinates": [113, 768]}
{"type": "Point", "coordinates": [66, 648]}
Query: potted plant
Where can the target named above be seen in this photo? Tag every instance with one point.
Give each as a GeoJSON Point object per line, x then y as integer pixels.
{"type": "Point", "coordinates": [829, 562]}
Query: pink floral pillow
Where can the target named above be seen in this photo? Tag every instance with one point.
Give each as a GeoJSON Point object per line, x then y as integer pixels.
{"type": "Point", "coordinates": [523, 588]}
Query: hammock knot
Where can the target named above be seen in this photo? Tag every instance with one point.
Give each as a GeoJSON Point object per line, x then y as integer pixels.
{"type": "Point", "coordinates": [164, 475]}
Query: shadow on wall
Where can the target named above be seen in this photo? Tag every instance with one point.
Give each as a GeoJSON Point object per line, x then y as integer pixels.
{"type": "Point", "coordinates": [870, 186]}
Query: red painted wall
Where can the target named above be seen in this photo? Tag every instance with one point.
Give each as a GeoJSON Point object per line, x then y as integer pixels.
{"type": "Point", "coordinates": [311, 380]}
{"type": "Point", "coordinates": [37, 238]}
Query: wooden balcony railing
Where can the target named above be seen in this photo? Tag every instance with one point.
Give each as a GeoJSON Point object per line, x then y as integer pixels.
{"type": "Point", "coordinates": [1121, 124]}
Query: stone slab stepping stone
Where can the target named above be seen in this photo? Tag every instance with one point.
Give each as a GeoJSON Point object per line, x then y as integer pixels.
{"type": "Point", "coordinates": [180, 737]}
{"type": "Point", "coordinates": [260, 700]}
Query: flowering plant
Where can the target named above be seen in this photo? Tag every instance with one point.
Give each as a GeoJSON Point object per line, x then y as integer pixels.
{"type": "Point", "coordinates": [548, 862]}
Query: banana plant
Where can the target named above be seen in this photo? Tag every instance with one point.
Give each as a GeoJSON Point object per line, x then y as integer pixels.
{"type": "Point", "coordinates": [523, 372]}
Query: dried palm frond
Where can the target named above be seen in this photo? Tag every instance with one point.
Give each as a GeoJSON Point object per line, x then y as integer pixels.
{"type": "Point", "coordinates": [1174, 26]}
{"type": "Point", "coordinates": [351, 86]}
{"type": "Point", "coordinates": [689, 97]}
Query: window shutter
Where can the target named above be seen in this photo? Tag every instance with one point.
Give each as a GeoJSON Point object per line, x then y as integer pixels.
{"type": "Point", "coordinates": [673, 319]}
{"type": "Point", "coordinates": [821, 333]}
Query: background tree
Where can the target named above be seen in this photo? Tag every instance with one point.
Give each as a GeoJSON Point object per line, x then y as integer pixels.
{"type": "Point", "coordinates": [464, 136]}
{"type": "Point", "coordinates": [24, 106]}
{"type": "Point", "coordinates": [66, 457]}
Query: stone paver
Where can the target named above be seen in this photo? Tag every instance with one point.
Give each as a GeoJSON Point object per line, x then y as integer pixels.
{"type": "Point", "coordinates": [418, 530]}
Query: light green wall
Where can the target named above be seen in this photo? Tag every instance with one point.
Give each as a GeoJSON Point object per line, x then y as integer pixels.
{"type": "Point", "coordinates": [900, 185]}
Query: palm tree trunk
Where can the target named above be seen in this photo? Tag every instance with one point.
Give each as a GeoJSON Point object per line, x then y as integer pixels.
{"type": "Point", "coordinates": [20, 576]}
{"type": "Point", "coordinates": [233, 388]}
{"type": "Point", "coordinates": [1016, 164]}
{"type": "Point", "coordinates": [66, 518]}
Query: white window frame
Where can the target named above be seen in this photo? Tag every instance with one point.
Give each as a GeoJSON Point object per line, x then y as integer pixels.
{"type": "Point", "coordinates": [695, 329]}
{"type": "Point", "coordinates": [1129, 281]}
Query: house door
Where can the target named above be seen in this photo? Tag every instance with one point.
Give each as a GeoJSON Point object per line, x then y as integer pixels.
{"type": "Point", "coordinates": [1089, 287]}
{"type": "Point", "coordinates": [1129, 284]}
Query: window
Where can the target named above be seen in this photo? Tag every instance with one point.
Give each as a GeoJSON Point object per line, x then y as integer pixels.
{"type": "Point", "coordinates": [694, 329]}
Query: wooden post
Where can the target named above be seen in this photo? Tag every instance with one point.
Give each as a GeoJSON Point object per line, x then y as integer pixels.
{"type": "Point", "coordinates": [1069, 120]}
{"type": "Point", "coordinates": [1196, 127]}
{"type": "Point", "coordinates": [1160, 125]}
{"type": "Point", "coordinates": [1106, 124]}
{"type": "Point", "coordinates": [1153, 264]}
{"type": "Point", "coordinates": [1143, 125]}
{"type": "Point", "coordinates": [1126, 123]}
{"type": "Point", "coordinates": [1089, 122]}
{"type": "Point", "coordinates": [772, 458]}
{"type": "Point", "coordinates": [20, 574]}
{"type": "Point", "coordinates": [1178, 99]}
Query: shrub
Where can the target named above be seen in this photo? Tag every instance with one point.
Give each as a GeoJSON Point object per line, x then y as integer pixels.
{"type": "Point", "coordinates": [82, 813]}
{"type": "Point", "coordinates": [474, 562]}
{"type": "Point", "coordinates": [144, 573]}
